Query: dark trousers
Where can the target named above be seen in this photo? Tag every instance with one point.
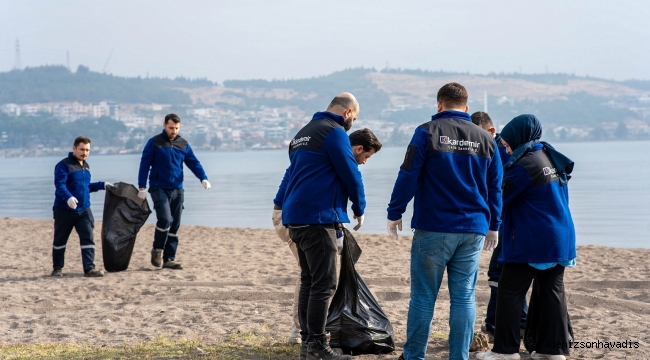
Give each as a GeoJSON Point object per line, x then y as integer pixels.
{"type": "Point", "coordinates": [83, 222]}
{"type": "Point", "coordinates": [551, 310]}
{"type": "Point", "coordinates": [317, 255]}
{"type": "Point", "coordinates": [168, 204]}
{"type": "Point", "coordinates": [494, 274]}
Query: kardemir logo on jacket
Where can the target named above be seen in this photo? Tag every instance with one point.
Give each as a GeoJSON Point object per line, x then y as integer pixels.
{"type": "Point", "coordinates": [460, 144]}
{"type": "Point", "coordinates": [300, 141]}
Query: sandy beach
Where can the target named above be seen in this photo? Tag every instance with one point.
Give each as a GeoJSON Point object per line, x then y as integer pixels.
{"type": "Point", "coordinates": [241, 280]}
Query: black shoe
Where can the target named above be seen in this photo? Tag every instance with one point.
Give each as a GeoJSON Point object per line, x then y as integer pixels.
{"type": "Point", "coordinates": [94, 273]}
{"type": "Point", "coordinates": [174, 265]}
{"type": "Point", "coordinates": [156, 257]}
{"type": "Point", "coordinates": [57, 272]}
{"type": "Point", "coordinates": [303, 351]}
{"type": "Point", "coordinates": [316, 350]}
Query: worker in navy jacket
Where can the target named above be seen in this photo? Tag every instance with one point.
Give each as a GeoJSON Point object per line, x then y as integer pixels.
{"type": "Point", "coordinates": [72, 207]}
{"type": "Point", "coordinates": [313, 198]}
{"type": "Point", "coordinates": [483, 120]}
{"type": "Point", "coordinates": [453, 169]}
{"type": "Point", "coordinates": [538, 241]}
{"type": "Point", "coordinates": [162, 161]}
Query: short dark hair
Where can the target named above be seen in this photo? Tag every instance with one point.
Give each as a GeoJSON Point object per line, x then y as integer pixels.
{"type": "Point", "coordinates": [365, 138]}
{"type": "Point", "coordinates": [346, 102]}
{"type": "Point", "coordinates": [453, 95]}
{"type": "Point", "coordinates": [172, 117]}
{"type": "Point", "coordinates": [81, 139]}
{"type": "Point", "coordinates": [482, 119]}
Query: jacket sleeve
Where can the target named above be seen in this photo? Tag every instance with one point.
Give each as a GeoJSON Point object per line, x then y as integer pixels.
{"type": "Point", "coordinates": [193, 163]}
{"type": "Point", "coordinates": [407, 178]}
{"type": "Point", "coordinates": [96, 186]}
{"type": "Point", "coordinates": [61, 172]}
{"type": "Point", "coordinates": [336, 147]}
{"type": "Point", "coordinates": [494, 181]}
{"type": "Point", "coordinates": [515, 181]}
{"type": "Point", "coordinates": [282, 190]}
{"type": "Point", "coordinates": [145, 163]}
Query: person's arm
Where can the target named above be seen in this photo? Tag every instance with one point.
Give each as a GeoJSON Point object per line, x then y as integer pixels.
{"type": "Point", "coordinates": [515, 181]}
{"type": "Point", "coordinates": [193, 163]}
{"type": "Point", "coordinates": [61, 172]}
{"type": "Point", "coordinates": [279, 196]}
{"type": "Point", "coordinates": [336, 147]}
{"type": "Point", "coordinates": [145, 164]}
{"type": "Point", "coordinates": [96, 186]}
{"type": "Point", "coordinates": [494, 181]}
{"type": "Point", "coordinates": [409, 172]}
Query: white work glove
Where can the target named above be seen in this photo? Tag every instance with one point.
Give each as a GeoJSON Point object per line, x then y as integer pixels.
{"type": "Point", "coordinates": [359, 222]}
{"type": "Point", "coordinates": [107, 185]}
{"type": "Point", "coordinates": [72, 202]}
{"type": "Point", "coordinates": [392, 227]}
{"type": "Point", "coordinates": [281, 230]}
{"type": "Point", "coordinates": [142, 194]}
{"type": "Point", "coordinates": [206, 184]}
{"type": "Point", "coordinates": [491, 240]}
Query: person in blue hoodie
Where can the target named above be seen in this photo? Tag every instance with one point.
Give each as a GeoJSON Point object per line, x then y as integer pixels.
{"type": "Point", "coordinates": [313, 196]}
{"type": "Point", "coordinates": [483, 120]}
{"type": "Point", "coordinates": [538, 242]}
{"type": "Point", "coordinates": [72, 207]}
{"type": "Point", "coordinates": [162, 161]}
{"type": "Point", "coordinates": [453, 169]}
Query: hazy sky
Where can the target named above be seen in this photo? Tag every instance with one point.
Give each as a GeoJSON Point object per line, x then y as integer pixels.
{"type": "Point", "coordinates": [301, 38]}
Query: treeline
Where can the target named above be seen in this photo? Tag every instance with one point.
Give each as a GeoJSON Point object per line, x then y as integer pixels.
{"type": "Point", "coordinates": [57, 83]}
{"type": "Point", "coordinates": [30, 132]}
{"type": "Point", "coordinates": [316, 91]}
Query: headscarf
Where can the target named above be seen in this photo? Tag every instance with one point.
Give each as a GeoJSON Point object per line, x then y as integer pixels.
{"type": "Point", "coordinates": [522, 133]}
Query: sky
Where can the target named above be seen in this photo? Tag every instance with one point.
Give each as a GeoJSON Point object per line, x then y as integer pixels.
{"type": "Point", "coordinates": [273, 39]}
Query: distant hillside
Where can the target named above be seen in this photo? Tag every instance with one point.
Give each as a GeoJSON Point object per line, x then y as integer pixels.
{"type": "Point", "coordinates": [57, 83]}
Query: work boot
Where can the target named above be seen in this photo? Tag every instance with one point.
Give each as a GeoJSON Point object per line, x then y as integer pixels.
{"type": "Point", "coordinates": [316, 350]}
{"type": "Point", "coordinates": [94, 273]}
{"type": "Point", "coordinates": [156, 257]}
{"type": "Point", "coordinates": [171, 264]}
{"type": "Point", "coordinates": [303, 351]}
{"type": "Point", "coordinates": [57, 272]}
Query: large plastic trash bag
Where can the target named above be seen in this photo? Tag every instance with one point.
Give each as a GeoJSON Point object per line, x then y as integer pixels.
{"type": "Point", "coordinates": [356, 322]}
{"type": "Point", "coordinates": [124, 215]}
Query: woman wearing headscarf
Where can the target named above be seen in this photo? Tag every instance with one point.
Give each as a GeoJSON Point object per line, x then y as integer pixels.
{"type": "Point", "coordinates": [538, 243]}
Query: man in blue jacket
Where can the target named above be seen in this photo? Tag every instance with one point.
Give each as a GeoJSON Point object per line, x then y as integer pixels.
{"type": "Point", "coordinates": [483, 120]}
{"type": "Point", "coordinates": [162, 161]}
{"type": "Point", "coordinates": [452, 167]}
{"type": "Point", "coordinates": [313, 198]}
{"type": "Point", "coordinates": [72, 207]}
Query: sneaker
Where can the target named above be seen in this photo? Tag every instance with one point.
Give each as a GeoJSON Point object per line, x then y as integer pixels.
{"type": "Point", "coordinates": [316, 350]}
{"type": "Point", "coordinates": [536, 355]}
{"type": "Point", "coordinates": [94, 273]}
{"type": "Point", "coordinates": [57, 272]}
{"type": "Point", "coordinates": [489, 355]}
{"type": "Point", "coordinates": [294, 335]}
{"type": "Point", "coordinates": [156, 257]}
{"type": "Point", "coordinates": [171, 264]}
{"type": "Point", "coordinates": [303, 351]}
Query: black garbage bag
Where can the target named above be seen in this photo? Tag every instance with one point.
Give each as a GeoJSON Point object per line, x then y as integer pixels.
{"type": "Point", "coordinates": [124, 215]}
{"type": "Point", "coordinates": [356, 322]}
{"type": "Point", "coordinates": [533, 323]}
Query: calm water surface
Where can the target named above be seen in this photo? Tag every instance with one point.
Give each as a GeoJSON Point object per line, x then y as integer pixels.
{"type": "Point", "coordinates": [609, 191]}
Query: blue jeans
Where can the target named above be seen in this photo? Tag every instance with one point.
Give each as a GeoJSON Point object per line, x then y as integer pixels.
{"type": "Point", "coordinates": [431, 254]}
{"type": "Point", "coordinates": [168, 204]}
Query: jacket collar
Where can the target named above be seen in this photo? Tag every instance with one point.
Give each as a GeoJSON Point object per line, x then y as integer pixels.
{"type": "Point", "coordinates": [164, 134]}
{"type": "Point", "coordinates": [71, 156]}
{"type": "Point", "coordinates": [452, 114]}
{"type": "Point", "coordinates": [328, 115]}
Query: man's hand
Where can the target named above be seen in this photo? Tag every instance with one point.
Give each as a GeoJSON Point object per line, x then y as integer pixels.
{"type": "Point", "coordinates": [107, 185]}
{"type": "Point", "coordinates": [392, 227]}
{"type": "Point", "coordinates": [359, 222]}
{"type": "Point", "coordinates": [491, 240]}
{"type": "Point", "coordinates": [142, 194]}
{"type": "Point", "coordinates": [72, 202]}
{"type": "Point", "coordinates": [281, 230]}
{"type": "Point", "coordinates": [206, 184]}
